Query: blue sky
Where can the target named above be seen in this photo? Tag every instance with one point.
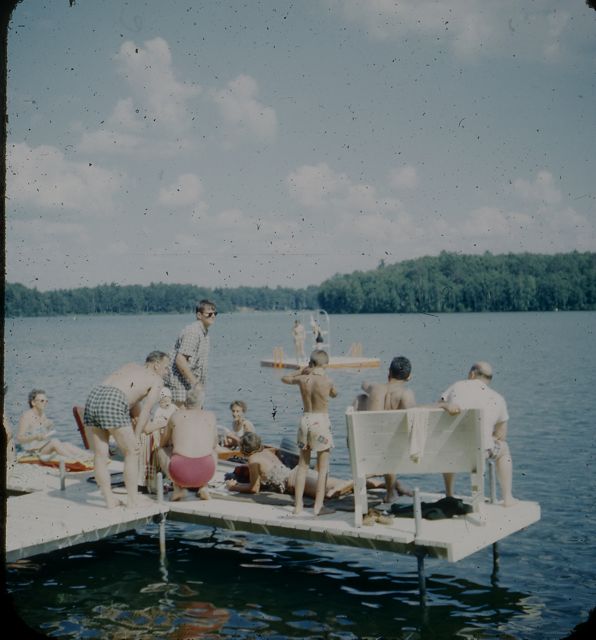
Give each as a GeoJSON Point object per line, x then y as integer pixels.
{"type": "Point", "coordinates": [279, 143]}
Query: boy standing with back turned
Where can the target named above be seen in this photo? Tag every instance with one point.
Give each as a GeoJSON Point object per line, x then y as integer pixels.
{"type": "Point", "coordinates": [314, 432]}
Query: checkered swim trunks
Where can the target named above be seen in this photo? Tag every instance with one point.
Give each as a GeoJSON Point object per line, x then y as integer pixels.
{"type": "Point", "coordinates": [107, 408]}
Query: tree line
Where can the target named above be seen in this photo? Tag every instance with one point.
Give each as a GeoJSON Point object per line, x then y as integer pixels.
{"type": "Point", "coordinates": [452, 282]}
{"type": "Point", "coordinates": [154, 298]}
{"type": "Point", "coordinates": [448, 282]}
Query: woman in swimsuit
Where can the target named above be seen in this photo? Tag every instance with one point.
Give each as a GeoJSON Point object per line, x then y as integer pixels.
{"type": "Point", "coordinates": [36, 430]}
{"type": "Point", "coordinates": [240, 424]}
{"type": "Point", "coordinates": [268, 472]}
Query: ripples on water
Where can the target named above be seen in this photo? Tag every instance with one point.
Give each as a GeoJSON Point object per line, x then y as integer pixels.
{"type": "Point", "coordinates": [230, 585]}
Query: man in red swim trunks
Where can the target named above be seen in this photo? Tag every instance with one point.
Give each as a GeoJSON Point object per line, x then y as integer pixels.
{"type": "Point", "coordinates": [191, 458]}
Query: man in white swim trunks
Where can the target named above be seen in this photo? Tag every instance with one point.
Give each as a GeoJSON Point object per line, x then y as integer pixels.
{"type": "Point", "coordinates": [133, 390]}
{"type": "Point", "coordinates": [314, 432]}
{"type": "Point", "coordinates": [474, 393]}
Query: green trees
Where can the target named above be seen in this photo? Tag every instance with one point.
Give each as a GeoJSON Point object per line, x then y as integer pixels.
{"type": "Point", "coordinates": [453, 282]}
{"type": "Point", "coordinates": [445, 283]}
{"type": "Point", "coordinates": [154, 298]}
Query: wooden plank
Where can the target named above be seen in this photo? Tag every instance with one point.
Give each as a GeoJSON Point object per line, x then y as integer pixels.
{"type": "Point", "coordinates": [335, 362]}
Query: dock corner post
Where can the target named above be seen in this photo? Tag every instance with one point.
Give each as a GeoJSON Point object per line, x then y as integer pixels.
{"type": "Point", "coordinates": [162, 520]}
{"type": "Point", "coordinates": [420, 553]}
{"type": "Point", "coordinates": [494, 576]}
{"type": "Point", "coordinates": [62, 475]}
{"type": "Point", "coordinates": [492, 470]}
{"type": "Point", "coordinates": [417, 512]}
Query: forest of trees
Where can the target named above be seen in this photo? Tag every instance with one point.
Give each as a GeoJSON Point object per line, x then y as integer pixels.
{"type": "Point", "coordinates": [445, 283]}
{"type": "Point", "coordinates": [154, 298]}
{"type": "Point", "coordinates": [454, 282]}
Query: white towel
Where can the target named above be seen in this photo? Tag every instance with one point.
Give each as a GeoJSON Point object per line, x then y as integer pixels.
{"type": "Point", "coordinates": [417, 431]}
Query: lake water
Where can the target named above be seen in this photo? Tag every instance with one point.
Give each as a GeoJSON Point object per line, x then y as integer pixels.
{"type": "Point", "coordinates": [222, 584]}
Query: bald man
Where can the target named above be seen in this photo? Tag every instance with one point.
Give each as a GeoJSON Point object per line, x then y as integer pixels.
{"type": "Point", "coordinates": [475, 393]}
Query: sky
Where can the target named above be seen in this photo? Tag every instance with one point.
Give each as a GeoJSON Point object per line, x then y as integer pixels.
{"type": "Point", "coordinates": [267, 143]}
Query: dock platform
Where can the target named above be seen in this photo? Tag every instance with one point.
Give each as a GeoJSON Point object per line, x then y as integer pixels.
{"type": "Point", "coordinates": [49, 519]}
{"type": "Point", "coordinates": [335, 362]}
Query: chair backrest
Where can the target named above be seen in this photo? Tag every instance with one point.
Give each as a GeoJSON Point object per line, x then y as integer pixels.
{"type": "Point", "coordinates": [414, 441]}
{"type": "Point", "coordinates": [77, 412]}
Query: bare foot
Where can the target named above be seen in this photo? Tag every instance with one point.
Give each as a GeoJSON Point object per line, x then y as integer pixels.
{"type": "Point", "coordinates": [298, 508]}
{"type": "Point", "coordinates": [203, 493]}
{"type": "Point", "coordinates": [324, 511]}
{"type": "Point", "coordinates": [340, 489]}
{"type": "Point", "coordinates": [178, 494]}
{"type": "Point", "coordinates": [509, 502]}
{"type": "Point", "coordinates": [402, 490]}
{"type": "Point", "coordinates": [391, 496]}
{"type": "Point", "coordinates": [113, 502]}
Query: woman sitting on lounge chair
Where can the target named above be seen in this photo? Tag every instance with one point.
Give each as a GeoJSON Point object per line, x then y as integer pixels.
{"type": "Point", "coordinates": [36, 431]}
{"type": "Point", "coordinates": [269, 470]}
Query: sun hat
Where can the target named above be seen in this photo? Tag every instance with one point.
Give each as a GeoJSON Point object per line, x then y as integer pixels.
{"type": "Point", "coordinates": [288, 445]}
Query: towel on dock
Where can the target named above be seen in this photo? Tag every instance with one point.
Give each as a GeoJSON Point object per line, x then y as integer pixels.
{"type": "Point", "coordinates": [417, 431]}
{"type": "Point", "coordinates": [52, 461]}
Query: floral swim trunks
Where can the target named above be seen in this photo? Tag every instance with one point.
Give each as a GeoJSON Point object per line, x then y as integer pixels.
{"type": "Point", "coordinates": [314, 432]}
{"type": "Point", "coordinates": [107, 408]}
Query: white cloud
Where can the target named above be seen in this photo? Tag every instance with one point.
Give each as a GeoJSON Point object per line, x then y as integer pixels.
{"type": "Point", "coordinates": [312, 185]}
{"type": "Point", "coordinates": [405, 177]}
{"type": "Point", "coordinates": [42, 176]}
{"type": "Point", "coordinates": [186, 190]}
{"type": "Point", "coordinates": [320, 187]}
{"type": "Point", "coordinates": [242, 112]}
{"type": "Point", "coordinates": [159, 95]}
{"type": "Point", "coordinates": [470, 27]}
{"type": "Point", "coordinates": [109, 141]}
{"type": "Point", "coordinates": [541, 190]}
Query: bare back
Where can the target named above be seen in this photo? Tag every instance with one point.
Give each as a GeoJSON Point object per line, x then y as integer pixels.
{"type": "Point", "coordinates": [194, 432]}
{"type": "Point", "coordinates": [135, 381]}
{"type": "Point", "coordinates": [316, 389]}
{"type": "Point", "coordinates": [391, 395]}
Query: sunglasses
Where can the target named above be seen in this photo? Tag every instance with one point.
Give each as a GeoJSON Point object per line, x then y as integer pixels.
{"type": "Point", "coordinates": [210, 314]}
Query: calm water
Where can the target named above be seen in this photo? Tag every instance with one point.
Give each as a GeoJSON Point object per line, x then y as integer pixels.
{"type": "Point", "coordinates": [232, 585]}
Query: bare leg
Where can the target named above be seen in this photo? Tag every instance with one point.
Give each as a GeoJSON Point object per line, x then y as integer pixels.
{"type": "Point", "coordinates": [449, 480]}
{"type": "Point", "coordinates": [337, 487]}
{"type": "Point", "coordinates": [102, 475]}
{"type": "Point", "coordinates": [127, 442]}
{"type": "Point", "coordinates": [504, 468]}
{"type": "Point", "coordinates": [323, 471]}
{"type": "Point", "coordinates": [66, 450]}
{"type": "Point", "coordinates": [391, 494]}
{"type": "Point", "coordinates": [203, 493]}
{"type": "Point", "coordinates": [303, 464]}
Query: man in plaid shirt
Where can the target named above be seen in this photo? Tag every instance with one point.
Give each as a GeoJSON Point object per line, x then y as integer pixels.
{"type": "Point", "coordinates": [190, 355]}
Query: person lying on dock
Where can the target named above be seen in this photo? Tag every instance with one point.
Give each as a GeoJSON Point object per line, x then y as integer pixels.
{"type": "Point", "coordinates": [314, 431]}
{"type": "Point", "coordinates": [268, 472]}
{"type": "Point", "coordinates": [131, 390]}
{"type": "Point", "coordinates": [190, 461]}
{"type": "Point", "coordinates": [474, 393]}
{"type": "Point", "coordinates": [240, 424]}
{"type": "Point", "coordinates": [390, 396]}
{"type": "Point", "coordinates": [36, 432]}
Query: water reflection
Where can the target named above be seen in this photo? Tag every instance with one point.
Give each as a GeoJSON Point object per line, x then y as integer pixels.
{"type": "Point", "coordinates": [231, 585]}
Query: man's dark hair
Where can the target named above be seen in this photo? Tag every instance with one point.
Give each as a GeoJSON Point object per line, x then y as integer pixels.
{"type": "Point", "coordinates": [203, 304]}
{"type": "Point", "coordinates": [400, 368]}
{"type": "Point", "coordinates": [155, 356]}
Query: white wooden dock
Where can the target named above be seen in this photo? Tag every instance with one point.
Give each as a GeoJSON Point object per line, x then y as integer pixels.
{"type": "Point", "coordinates": [49, 519]}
